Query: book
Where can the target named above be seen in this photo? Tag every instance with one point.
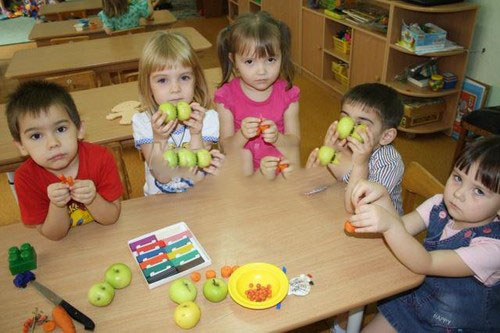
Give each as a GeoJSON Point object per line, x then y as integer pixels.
{"type": "Point", "coordinates": [421, 81]}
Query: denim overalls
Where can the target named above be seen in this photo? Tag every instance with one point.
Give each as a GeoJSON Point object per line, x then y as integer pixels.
{"type": "Point", "coordinates": [444, 304]}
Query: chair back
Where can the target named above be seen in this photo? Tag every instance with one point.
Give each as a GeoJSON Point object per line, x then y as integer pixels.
{"type": "Point", "coordinates": [64, 40]}
{"type": "Point", "coordinates": [75, 81]}
{"type": "Point", "coordinates": [417, 181]}
{"type": "Point", "coordinates": [128, 31]}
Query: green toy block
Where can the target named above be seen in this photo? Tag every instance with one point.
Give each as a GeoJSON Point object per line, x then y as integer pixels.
{"type": "Point", "coordinates": [22, 259]}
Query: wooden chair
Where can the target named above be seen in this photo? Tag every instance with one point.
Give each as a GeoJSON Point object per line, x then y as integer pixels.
{"type": "Point", "coordinates": [64, 40]}
{"type": "Point", "coordinates": [75, 81]}
{"type": "Point", "coordinates": [417, 181]}
{"type": "Point", "coordinates": [128, 31]}
{"type": "Point", "coordinates": [116, 150]}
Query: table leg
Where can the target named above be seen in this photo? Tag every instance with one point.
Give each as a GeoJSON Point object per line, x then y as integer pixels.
{"type": "Point", "coordinates": [355, 320]}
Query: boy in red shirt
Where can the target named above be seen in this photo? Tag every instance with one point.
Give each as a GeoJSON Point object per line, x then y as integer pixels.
{"type": "Point", "coordinates": [65, 182]}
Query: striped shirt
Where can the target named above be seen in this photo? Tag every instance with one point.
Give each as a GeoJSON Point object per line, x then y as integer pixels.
{"type": "Point", "coordinates": [386, 168]}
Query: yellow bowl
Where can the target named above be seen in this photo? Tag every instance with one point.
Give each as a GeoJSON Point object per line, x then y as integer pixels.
{"type": "Point", "coordinates": [258, 273]}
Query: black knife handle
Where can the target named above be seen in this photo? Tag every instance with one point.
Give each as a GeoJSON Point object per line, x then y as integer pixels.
{"type": "Point", "coordinates": [78, 316]}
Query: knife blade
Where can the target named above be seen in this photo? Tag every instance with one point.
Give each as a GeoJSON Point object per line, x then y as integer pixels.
{"type": "Point", "coordinates": [57, 300]}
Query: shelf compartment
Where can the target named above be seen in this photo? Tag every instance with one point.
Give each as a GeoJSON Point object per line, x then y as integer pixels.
{"type": "Point", "coordinates": [338, 50]}
{"type": "Point", "coordinates": [412, 90]}
{"type": "Point", "coordinates": [341, 56]}
{"type": "Point", "coordinates": [433, 54]}
{"type": "Point", "coordinates": [233, 10]}
{"type": "Point", "coordinates": [333, 75]}
{"type": "Point", "coordinates": [254, 6]}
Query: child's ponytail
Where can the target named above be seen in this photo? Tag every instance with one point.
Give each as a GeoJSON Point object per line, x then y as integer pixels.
{"type": "Point", "coordinates": [223, 49]}
{"type": "Point", "coordinates": [287, 68]}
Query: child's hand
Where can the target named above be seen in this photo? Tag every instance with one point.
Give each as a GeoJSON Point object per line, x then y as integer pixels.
{"type": "Point", "coordinates": [366, 192]}
{"type": "Point", "coordinates": [268, 165]}
{"type": "Point", "coordinates": [361, 152]}
{"type": "Point", "coordinates": [332, 139]}
{"type": "Point", "coordinates": [249, 127]}
{"type": "Point", "coordinates": [372, 218]}
{"type": "Point", "coordinates": [270, 134]}
{"type": "Point", "coordinates": [195, 122]}
{"type": "Point", "coordinates": [312, 160]}
{"type": "Point", "coordinates": [83, 191]}
{"type": "Point", "coordinates": [59, 194]}
{"type": "Point", "coordinates": [161, 131]}
{"type": "Point", "coordinates": [285, 167]}
{"type": "Point", "coordinates": [216, 163]}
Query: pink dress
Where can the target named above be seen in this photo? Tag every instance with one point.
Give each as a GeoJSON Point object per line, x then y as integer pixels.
{"type": "Point", "coordinates": [234, 99]}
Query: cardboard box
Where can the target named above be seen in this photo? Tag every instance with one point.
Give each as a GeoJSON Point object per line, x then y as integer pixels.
{"type": "Point", "coordinates": [419, 112]}
{"type": "Point", "coordinates": [417, 40]}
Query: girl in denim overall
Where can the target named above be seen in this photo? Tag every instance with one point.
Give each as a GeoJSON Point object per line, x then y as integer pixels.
{"type": "Point", "coordinates": [460, 255]}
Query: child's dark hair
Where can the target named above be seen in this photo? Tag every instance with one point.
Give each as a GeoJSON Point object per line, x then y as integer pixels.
{"type": "Point", "coordinates": [114, 8]}
{"type": "Point", "coordinates": [486, 153]}
{"type": "Point", "coordinates": [34, 97]}
{"type": "Point", "coordinates": [258, 32]}
{"type": "Point", "coordinates": [379, 97]}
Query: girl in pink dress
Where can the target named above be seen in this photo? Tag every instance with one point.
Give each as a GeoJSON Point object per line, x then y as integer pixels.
{"type": "Point", "coordinates": [257, 103]}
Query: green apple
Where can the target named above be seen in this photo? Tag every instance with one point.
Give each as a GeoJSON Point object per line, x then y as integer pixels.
{"type": "Point", "coordinates": [118, 275]}
{"type": "Point", "coordinates": [215, 290]}
{"type": "Point", "coordinates": [183, 111]}
{"type": "Point", "coordinates": [325, 155]}
{"type": "Point", "coordinates": [182, 290]}
{"type": "Point", "coordinates": [183, 159]}
{"type": "Point", "coordinates": [101, 294]}
{"type": "Point", "coordinates": [187, 315]}
{"type": "Point", "coordinates": [357, 130]}
{"type": "Point", "coordinates": [170, 110]}
{"type": "Point", "coordinates": [345, 127]}
{"type": "Point", "coordinates": [171, 157]}
{"type": "Point", "coordinates": [204, 158]}
{"type": "Point", "coordinates": [191, 159]}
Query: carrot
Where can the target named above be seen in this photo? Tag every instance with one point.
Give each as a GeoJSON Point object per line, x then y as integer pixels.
{"type": "Point", "coordinates": [195, 276]}
{"type": "Point", "coordinates": [282, 166]}
{"type": "Point", "coordinates": [235, 267]}
{"type": "Point", "coordinates": [63, 320]}
{"type": "Point", "coordinates": [226, 271]}
{"type": "Point", "coordinates": [349, 227]}
{"type": "Point", "coordinates": [70, 181]}
{"type": "Point", "coordinates": [49, 326]}
{"type": "Point", "coordinates": [210, 274]}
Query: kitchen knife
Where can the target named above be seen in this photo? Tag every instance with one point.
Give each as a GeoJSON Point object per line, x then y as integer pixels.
{"type": "Point", "coordinates": [74, 313]}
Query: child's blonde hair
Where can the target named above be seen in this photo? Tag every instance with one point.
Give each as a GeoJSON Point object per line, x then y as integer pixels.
{"type": "Point", "coordinates": [166, 50]}
{"type": "Point", "coordinates": [114, 8]}
{"type": "Point", "coordinates": [259, 32]}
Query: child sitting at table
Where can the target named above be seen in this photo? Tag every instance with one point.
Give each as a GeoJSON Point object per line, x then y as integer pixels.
{"type": "Point", "coordinates": [169, 71]}
{"type": "Point", "coordinates": [122, 14]}
{"type": "Point", "coordinates": [257, 102]}
{"type": "Point", "coordinates": [460, 255]}
{"type": "Point", "coordinates": [65, 182]}
{"type": "Point", "coordinates": [380, 109]}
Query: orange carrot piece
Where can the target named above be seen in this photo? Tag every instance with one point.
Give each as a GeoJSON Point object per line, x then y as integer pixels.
{"type": "Point", "coordinates": [49, 326]}
{"type": "Point", "coordinates": [282, 166]}
{"type": "Point", "coordinates": [235, 267]}
{"type": "Point", "coordinates": [210, 274]}
{"type": "Point", "coordinates": [63, 320]}
{"type": "Point", "coordinates": [226, 271]}
{"type": "Point", "coordinates": [63, 179]}
{"type": "Point", "coordinates": [195, 276]}
{"type": "Point", "coordinates": [70, 181]}
{"type": "Point", "coordinates": [349, 227]}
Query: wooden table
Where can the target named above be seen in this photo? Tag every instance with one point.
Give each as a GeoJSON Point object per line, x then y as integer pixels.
{"type": "Point", "coordinates": [93, 105]}
{"type": "Point", "coordinates": [102, 55]}
{"type": "Point", "coordinates": [54, 12]}
{"type": "Point", "coordinates": [237, 221]}
{"type": "Point", "coordinates": [43, 33]}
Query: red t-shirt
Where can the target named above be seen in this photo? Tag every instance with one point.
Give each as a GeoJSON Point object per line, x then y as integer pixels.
{"type": "Point", "coordinates": [31, 181]}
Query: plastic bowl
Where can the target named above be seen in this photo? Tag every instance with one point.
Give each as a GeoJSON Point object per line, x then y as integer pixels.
{"type": "Point", "coordinates": [258, 273]}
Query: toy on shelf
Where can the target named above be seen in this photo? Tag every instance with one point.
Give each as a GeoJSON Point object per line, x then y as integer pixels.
{"type": "Point", "coordinates": [22, 259]}
{"type": "Point", "coordinates": [342, 41]}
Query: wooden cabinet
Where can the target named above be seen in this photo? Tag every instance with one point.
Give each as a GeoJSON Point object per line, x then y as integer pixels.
{"type": "Point", "coordinates": [367, 53]}
{"type": "Point", "coordinates": [312, 43]}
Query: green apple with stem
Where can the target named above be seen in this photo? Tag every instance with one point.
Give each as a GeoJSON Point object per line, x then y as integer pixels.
{"type": "Point", "coordinates": [204, 158]}
{"type": "Point", "coordinates": [101, 294]}
{"type": "Point", "coordinates": [345, 127]}
{"type": "Point", "coordinates": [215, 289]}
{"type": "Point", "coordinates": [118, 275]}
{"type": "Point", "coordinates": [171, 157]}
{"type": "Point", "coordinates": [170, 110]}
{"type": "Point", "coordinates": [357, 130]}
{"type": "Point", "coordinates": [182, 290]}
{"type": "Point", "coordinates": [183, 111]}
{"type": "Point", "coordinates": [187, 315]}
{"type": "Point", "coordinates": [326, 155]}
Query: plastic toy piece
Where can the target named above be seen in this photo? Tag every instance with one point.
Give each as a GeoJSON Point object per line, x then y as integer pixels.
{"type": "Point", "coordinates": [349, 227]}
{"type": "Point", "coordinates": [22, 259]}
{"type": "Point", "coordinates": [22, 279]}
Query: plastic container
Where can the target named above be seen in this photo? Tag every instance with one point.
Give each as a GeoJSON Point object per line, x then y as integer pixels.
{"type": "Point", "coordinates": [450, 80]}
{"type": "Point", "coordinates": [343, 80]}
{"type": "Point", "coordinates": [341, 45]}
{"type": "Point", "coordinates": [436, 82]}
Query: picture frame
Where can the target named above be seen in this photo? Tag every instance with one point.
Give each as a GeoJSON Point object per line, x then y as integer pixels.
{"type": "Point", "coordinates": [472, 97]}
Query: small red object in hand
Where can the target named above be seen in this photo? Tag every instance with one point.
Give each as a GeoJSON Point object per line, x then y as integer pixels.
{"type": "Point", "coordinates": [68, 180]}
{"type": "Point", "coordinates": [349, 227]}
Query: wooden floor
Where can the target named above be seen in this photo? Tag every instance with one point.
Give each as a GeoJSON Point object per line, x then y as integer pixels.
{"type": "Point", "coordinates": [318, 108]}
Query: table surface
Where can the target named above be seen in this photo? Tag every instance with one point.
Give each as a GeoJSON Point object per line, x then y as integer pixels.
{"type": "Point", "coordinates": [91, 54]}
{"type": "Point", "coordinates": [93, 105]}
{"type": "Point", "coordinates": [66, 28]}
{"type": "Point", "coordinates": [237, 221]}
{"type": "Point", "coordinates": [69, 6]}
